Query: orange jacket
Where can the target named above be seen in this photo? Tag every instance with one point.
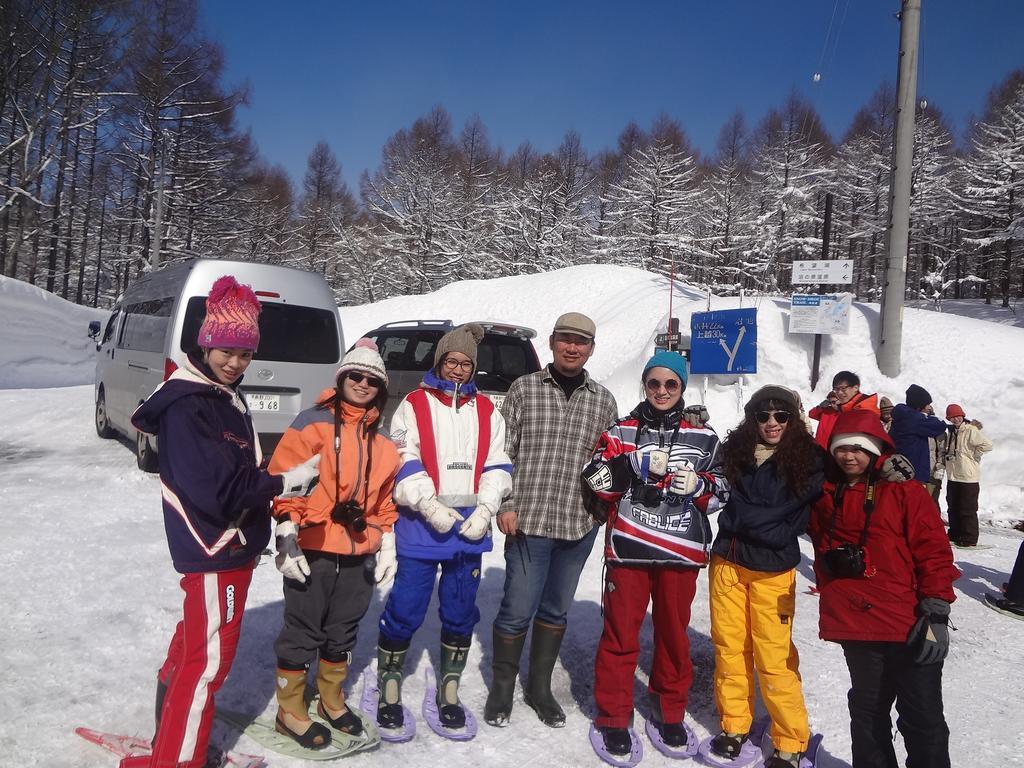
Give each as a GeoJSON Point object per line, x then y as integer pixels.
{"type": "Point", "coordinates": [826, 417]}
{"type": "Point", "coordinates": [311, 433]}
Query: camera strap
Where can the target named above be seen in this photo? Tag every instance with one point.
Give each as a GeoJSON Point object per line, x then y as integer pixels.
{"type": "Point", "coordinates": [837, 504]}
{"type": "Point", "coordinates": [337, 459]}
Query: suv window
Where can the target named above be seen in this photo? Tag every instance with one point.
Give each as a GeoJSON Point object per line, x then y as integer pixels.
{"type": "Point", "coordinates": [288, 333]}
{"type": "Point", "coordinates": [500, 359]}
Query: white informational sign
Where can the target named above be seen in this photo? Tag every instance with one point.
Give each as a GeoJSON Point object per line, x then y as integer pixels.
{"type": "Point", "coordinates": [828, 271]}
{"type": "Point", "coordinates": [810, 313]}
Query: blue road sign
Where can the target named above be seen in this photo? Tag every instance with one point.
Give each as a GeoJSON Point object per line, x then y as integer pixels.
{"type": "Point", "coordinates": [724, 341]}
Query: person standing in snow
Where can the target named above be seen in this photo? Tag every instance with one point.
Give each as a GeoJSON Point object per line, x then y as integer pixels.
{"type": "Point", "coordinates": [216, 504]}
{"type": "Point", "coordinates": [454, 475]}
{"type": "Point", "coordinates": [937, 462]}
{"type": "Point", "coordinates": [885, 412]}
{"type": "Point", "coordinates": [885, 576]}
{"type": "Point", "coordinates": [775, 471]}
{"type": "Point", "coordinates": [965, 444]}
{"type": "Point", "coordinates": [1012, 601]}
{"type": "Point", "coordinates": [911, 428]}
{"type": "Point", "coordinates": [326, 542]}
{"type": "Point", "coordinates": [844, 397]}
{"type": "Point", "coordinates": [554, 418]}
{"type": "Point", "coordinates": [661, 476]}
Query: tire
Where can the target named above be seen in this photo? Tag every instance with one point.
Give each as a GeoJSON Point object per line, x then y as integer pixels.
{"type": "Point", "coordinates": [145, 456]}
{"type": "Point", "coordinates": [102, 419]}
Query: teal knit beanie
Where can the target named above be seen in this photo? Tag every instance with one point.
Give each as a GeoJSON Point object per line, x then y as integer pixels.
{"type": "Point", "coordinates": [674, 361]}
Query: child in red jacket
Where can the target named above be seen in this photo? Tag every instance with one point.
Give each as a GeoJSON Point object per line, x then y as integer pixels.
{"type": "Point", "coordinates": [885, 572]}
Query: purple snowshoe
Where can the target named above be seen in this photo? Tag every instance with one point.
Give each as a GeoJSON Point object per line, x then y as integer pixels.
{"type": "Point", "coordinates": [433, 717]}
{"type": "Point", "coordinates": [678, 753]}
{"type": "Point", "coordinates": [368, 703]}
{"type": "Point", "coordinates": [620, 761]}
{"type": "Point", "coordinates": [810, 755]}
{"type": "Point", "coordinates": [750, 755]}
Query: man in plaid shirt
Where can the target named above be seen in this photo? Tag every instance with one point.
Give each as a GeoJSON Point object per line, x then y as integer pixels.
{"type": "Point", "coordinates": [553, 421]}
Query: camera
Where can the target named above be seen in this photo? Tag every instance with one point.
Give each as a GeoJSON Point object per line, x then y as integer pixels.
{"type": "Point", "coordinates": [647, 495]}
{"type": "Point", "coordinates": [844, 562]}
{"type": "Point", "coordinates": [350, 514]}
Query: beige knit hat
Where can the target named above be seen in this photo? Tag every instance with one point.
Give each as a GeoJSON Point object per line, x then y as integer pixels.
{"type": "Point", "coordinates": [364, 357]}
{"type": "Point", "coordinates": [463, 339]}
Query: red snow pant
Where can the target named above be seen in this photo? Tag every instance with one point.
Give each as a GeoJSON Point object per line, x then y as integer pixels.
{"type": "Point", "coordinates": [198, 660]}
{"type": "Point", "coordinates": [628, 589]}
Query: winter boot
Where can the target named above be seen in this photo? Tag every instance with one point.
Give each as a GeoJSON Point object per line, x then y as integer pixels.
{"type": "Point", "coordinates": [330, 676]}
{"type": "Point", "coordinates": [390, 660]}
{"type": "Point", "coordinates": [728, 745]}
{"type": "Point", "coordinates": [293, 714]}
{"type": "Point", "coordinates": [673, 734]}
{"type": "Point", "coordinates": [454, 651]}
{"type": "Point", "coordinates": [547, 639]}
{"type": "Point", "coordinates": [504, 669]}
{"type": "Point", "coordinates": [781, 759]}
{"type": "Point", "coordinates": [617, 741]}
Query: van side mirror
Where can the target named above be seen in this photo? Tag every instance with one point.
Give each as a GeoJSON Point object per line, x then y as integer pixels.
{"type": "Point", "coordinates": [94, 329]}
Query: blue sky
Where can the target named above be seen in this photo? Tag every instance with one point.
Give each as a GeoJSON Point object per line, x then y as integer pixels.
{"type": "Point", "coordinates": [353, 73]}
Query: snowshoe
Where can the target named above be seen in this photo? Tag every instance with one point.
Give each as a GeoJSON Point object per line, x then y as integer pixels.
{"type": "Point", "coordinates": [265, 732]}
{"type": "Point", "coordinates": [127, 747]}
{"type": "Point", "coordinates": [396, 726]}
{"type": "Point", "coordinates": [434, 717]}
{"type": "Point", "coordinates": [725, 751]}
{"type": "Point", "coordinates": [805, 760]}
{"type": "Point", "coordinates": [675, 740]}
{"type": "Point", "coordinates": [628, 749]}
{"type": "Point", "coordinates": [1004, 605]}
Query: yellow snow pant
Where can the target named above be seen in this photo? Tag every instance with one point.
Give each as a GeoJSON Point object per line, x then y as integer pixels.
{"type": "Point", "coordinates": [752, 627]}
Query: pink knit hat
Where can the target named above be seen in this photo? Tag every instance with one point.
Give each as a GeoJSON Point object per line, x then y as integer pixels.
{"type": "Point", "coordinates": [232, 317]}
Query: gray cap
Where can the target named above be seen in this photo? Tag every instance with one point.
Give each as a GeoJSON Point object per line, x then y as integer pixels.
{"type": "Point", "coordinates": [576, 322]}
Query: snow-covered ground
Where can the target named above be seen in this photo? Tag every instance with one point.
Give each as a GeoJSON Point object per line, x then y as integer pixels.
{"type": "Point", "coordinates": [91, 598]}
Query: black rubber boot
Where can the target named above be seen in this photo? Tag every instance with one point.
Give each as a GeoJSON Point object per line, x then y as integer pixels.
{"type": "Point", "coordinates": [454, 651]}
{"type": "Point", "coordinates": [673, 734]}
{"type": "Point", "coordinates": [547, 639]}
{"type": "Point", "coordinates": [617, 741]}
{"type": "Point", "coordinates": [728, 745]}
{"type": "Point", "coordinates": [390, 661]}
{"type": "Point", "coordinates": [504, 669]}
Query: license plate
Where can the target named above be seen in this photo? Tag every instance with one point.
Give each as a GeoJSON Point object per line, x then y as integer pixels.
{"type": "Point", "coordinates": [258, 402]}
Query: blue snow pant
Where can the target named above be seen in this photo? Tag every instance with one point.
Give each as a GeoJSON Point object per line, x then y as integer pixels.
{"type": "Point", "coordinates": [414, 584]}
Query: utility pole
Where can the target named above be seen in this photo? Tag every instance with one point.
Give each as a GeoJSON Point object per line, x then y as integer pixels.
{"type": "Point", "coordinates": [890, 344]}
{"type": "Point", "coordinates": [158, 218]}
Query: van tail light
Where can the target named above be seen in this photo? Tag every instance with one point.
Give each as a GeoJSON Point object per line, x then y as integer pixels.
{"type": "Point", "coordinates": [269, 294]}
{"type": "Point", "coordinates": [169, 367]}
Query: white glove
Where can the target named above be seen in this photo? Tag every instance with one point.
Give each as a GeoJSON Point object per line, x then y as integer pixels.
{"type": "Point", "coordinates": [477, 524]}
{"type": "Point", "coordinates": [300, 480]}
{"type": "Point", "coordinates": [655, 460]}
{"type": "Point", "coordinates": [290, 560]}
{"type": "Point", "coordinates": [440, 516]}
{"type": "Point", "coordinates": [387, 562]}
{"type": "Point", "coordinates": [686, 482]}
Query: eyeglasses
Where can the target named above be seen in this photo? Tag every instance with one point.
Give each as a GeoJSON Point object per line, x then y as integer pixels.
{"type": "Point", "coordinates": [844, 387]}
{"type": "Point", "coordinates": [451, 364]}
{"type": "Point", "coordinates": [781, 417]}
{"type": "Point", "coordinates": [359, 378]}
{"type": "Point", "coordinates": [653, 385]}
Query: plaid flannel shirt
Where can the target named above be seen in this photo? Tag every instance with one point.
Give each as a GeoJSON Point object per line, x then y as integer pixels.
{"type": "Point", "coordinates": [550, 439]}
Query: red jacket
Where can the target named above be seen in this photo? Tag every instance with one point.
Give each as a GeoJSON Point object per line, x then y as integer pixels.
{"type": "Point", "coordinates": [908, 553]}
{"type": "Point", "coordinates": [826, 417]}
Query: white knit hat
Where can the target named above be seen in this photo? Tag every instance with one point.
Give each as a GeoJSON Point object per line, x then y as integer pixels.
{"type": "Point", "coordinates": [856, 440]}
{"type": "Point", "coordinates": [364, 357]}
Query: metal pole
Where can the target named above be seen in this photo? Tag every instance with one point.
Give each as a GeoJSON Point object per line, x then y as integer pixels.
{"type": "Point", "coordinates": [671, 291]}
{"type": "Point", "coordinates": [815, 373]}
{"type": "Point", "coordinates": [891, 331]}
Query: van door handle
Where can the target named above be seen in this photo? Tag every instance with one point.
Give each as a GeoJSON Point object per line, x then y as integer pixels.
{"type": "Point", "coordinates": [136, 366]}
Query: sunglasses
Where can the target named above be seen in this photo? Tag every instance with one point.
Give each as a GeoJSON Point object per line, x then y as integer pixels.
{"type": "Point", "coordinates": [359, 378]}
{"type": "Point", "coordinates": [781, 417]}
{"type": "Point", "coordinates": [653, 385]}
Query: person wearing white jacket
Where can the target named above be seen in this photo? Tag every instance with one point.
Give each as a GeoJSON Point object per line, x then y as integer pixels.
{"type": "Point", "coordinates": [965, 445]}
{"type": "Point", "coordinates": [454, 475]}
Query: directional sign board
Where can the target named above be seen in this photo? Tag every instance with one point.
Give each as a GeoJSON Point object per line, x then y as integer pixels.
{"type": "Point", "coordinates": [667, 339]}
{"type": "Point", "coordinates": [809, 313]}
{"type": "Point", "coordinates": [724, 341]}
{"type": "Point", "coordinates": [826, 271]}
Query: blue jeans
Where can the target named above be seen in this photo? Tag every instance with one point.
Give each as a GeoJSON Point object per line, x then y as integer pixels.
{"type": "Point", "coordinates": [541, 576]}
{"type": "Point", "coordinates": [414, 584]}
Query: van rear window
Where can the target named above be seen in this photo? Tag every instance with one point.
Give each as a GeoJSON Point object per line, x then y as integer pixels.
{"type": "Point", "coordinates": [288, 333]}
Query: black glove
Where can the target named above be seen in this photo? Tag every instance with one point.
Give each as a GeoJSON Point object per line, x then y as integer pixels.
{"type": "Point", "coordinates": [929, 637]}
{"type": "Point", "coordinates": [827, 404]}
{"type": "Point", "coordinates": [696, 415]}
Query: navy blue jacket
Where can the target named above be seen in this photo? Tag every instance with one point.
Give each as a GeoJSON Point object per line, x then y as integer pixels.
{"type": "Point", "coordinates": [759, 526]}
{"type": "Point", "coordinates": [216, 499]}
{"type": "Point", "coordinates": [910, 432]}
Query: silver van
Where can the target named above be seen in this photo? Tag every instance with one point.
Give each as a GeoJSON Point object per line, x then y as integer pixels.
{"type": "Point", "coordinates": [155, 324]}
